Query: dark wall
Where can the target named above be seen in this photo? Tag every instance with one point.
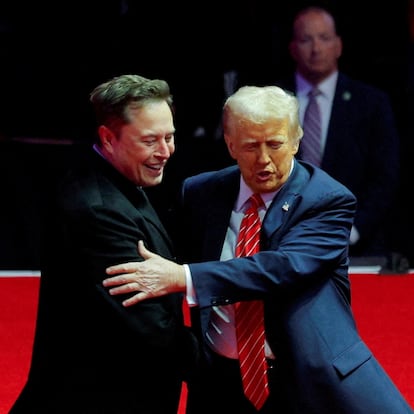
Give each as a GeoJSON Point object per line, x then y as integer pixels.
{"type": "Point", "coordinates": [29, 171]}
{"type": "Point", "coordinates": [54, 53]}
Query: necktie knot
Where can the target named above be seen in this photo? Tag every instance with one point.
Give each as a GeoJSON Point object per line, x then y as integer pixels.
{"type": "Point", "coordinates": [313, 93]}
{"type": "Point", "coordinates": [248, 241]}
{"type": "Point", "coordinates": [255, 201]}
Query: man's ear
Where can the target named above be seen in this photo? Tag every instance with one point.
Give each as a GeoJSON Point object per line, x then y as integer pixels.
{"type": "Point", "coordinates": [106, 136]}
{"type": "Point", "coordinates": [339, 47]}
{"type": "Point", "coordinates": [230, 145]}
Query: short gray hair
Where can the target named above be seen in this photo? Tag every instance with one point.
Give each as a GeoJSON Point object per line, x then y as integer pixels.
{"type": "Point", "coordinates": [259, 104]}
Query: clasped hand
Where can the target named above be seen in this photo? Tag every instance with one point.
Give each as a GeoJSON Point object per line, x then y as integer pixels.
{"type": "Point", "coordinates": [153, 277]}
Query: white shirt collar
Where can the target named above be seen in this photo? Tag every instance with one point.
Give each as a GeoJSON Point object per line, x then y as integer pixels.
{"type": "Point", "coordinates": [327, 86]}
{"type": "Point", "coordinates": [245, 193]}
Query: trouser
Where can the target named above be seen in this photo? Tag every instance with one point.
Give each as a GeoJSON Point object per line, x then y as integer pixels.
{"type": "Point", "coordinates": [218, 389]}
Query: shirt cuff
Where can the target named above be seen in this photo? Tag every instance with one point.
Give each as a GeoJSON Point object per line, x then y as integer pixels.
{"type": "Point", "coordinates": [354, 237]}
{"type": "Point", "coordinates": [190, 292]}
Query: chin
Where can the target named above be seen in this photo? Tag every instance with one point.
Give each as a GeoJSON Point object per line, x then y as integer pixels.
{"type": "Point", "coordinates": [156, 180]}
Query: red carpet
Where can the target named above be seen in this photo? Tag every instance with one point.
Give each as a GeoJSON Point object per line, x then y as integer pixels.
{"type": "Point", "coordinates": [383, 307]}
{"type": "Point", "coordinates": [384, 311]}
{"type": "Point", "coordinates": [17, 316]}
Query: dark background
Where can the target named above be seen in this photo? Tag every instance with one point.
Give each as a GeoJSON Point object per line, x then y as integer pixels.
{"type": "Point", "coordinates": [54, 53]}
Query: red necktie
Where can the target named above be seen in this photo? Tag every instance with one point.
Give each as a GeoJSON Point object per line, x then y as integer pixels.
{"type": "Point", "coordinates": [249, 316]}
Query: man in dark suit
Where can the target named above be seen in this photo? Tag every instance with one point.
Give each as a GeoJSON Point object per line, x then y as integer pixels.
{"type": "Point", "coordinates": [359, 139]}
{"type": "Point", "coordinates": [101, 210]}
{"type": "Point", "coordinates": [318, 363]}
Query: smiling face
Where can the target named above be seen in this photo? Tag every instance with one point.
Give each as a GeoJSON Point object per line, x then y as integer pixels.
{"type": "Point", "coordinates": [142, 147]}
{"type": "Point", "coordinates": [264, 152]}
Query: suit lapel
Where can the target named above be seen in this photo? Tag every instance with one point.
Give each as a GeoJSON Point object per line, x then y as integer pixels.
{"type": "Point", "coordinates": [284, 203]}
{"type": "Point", "coordinates": [225, 194]}
{"type": "Point", "coordinates": [219, 213]}
{"type": "Point", "coordinates": [135, 195]}
{"type": "Point", "coordinates": [338, 122]}
{"type": "Point", "coordinates": [145, 207]}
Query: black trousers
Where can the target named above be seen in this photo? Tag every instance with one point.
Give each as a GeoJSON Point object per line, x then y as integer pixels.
{"type": "Point", "coordinates": [218, 389]}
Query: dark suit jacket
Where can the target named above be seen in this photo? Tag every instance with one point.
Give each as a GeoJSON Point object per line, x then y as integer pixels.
{"type": "Point", "coordinates": [91, 354]}
{"type": "Point", "coordinates": [301, 273]}
{"type": "Point", "coordinates": [362, 152]}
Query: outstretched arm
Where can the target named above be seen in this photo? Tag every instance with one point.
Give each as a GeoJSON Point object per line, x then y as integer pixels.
{"type": "Point", "coordinates": [153, 277]}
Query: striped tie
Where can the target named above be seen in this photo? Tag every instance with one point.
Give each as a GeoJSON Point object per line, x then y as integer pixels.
{"type": "Point", "coordinates": [249, 316]}
{"type": "Point", "coordinates": [311, 141]}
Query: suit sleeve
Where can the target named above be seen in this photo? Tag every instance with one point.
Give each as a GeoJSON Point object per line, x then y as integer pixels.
{"type": "Point", "coordinates": [309, 247]}
{"type": "Point", "coordinates": [102, 235]}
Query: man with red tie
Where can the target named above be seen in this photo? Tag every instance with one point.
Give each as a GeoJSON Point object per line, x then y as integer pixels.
{"type": "Point", "coordinates": [316, 361]}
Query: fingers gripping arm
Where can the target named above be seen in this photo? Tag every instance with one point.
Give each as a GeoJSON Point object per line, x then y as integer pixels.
{"type": "Point", "coordinates": [153, 277]}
